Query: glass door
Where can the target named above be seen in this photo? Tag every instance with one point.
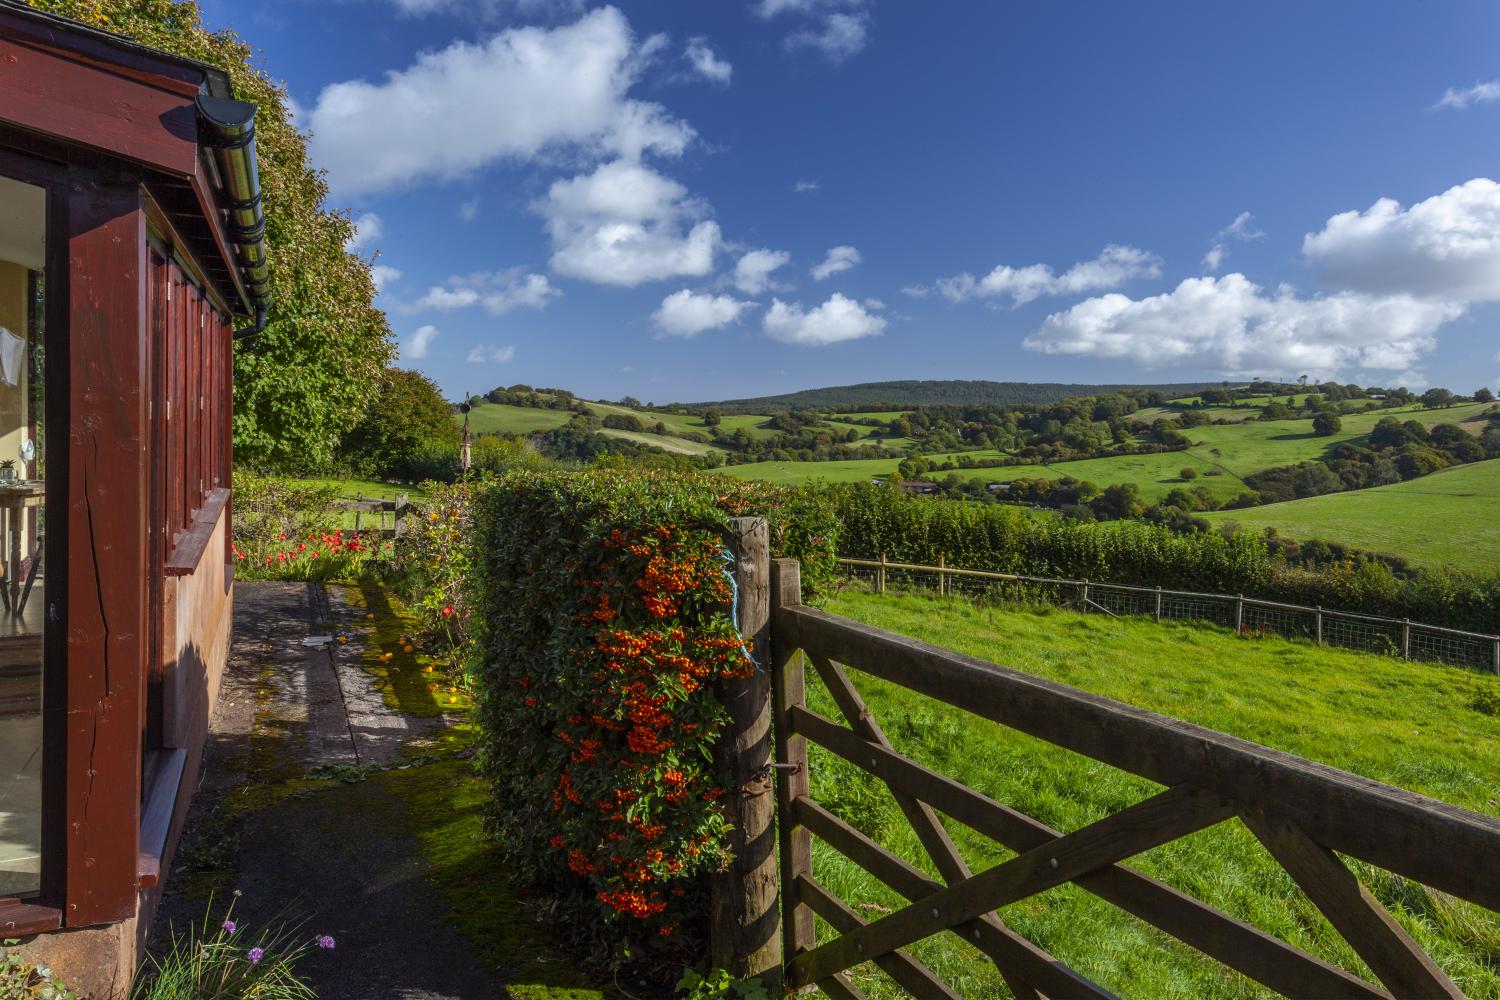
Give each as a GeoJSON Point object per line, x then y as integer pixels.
{"type": "Point", "coordinates": [23, 526]}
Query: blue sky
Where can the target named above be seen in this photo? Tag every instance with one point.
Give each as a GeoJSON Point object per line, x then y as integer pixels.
{"type": "Point", "coordinates": [686, 201]}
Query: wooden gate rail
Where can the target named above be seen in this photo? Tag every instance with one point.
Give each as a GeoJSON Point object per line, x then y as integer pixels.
{"type": "Point", "coordinates": [1301, 811]}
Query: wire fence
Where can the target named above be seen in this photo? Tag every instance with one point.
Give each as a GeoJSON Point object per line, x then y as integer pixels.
{"type": "Point", "coordinates": [1247, 615]}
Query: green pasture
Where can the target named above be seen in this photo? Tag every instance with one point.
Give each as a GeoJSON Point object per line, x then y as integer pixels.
{"type": "Point", "coordinates": [683, 423]}
{"type": "Point", "coordinates": [665, 442]}
{"type": "Point", "coordinates": [1262, 444]}
{"type": "Point", "coordinates": [884, 416]}
{"type": "Point", "coordinates": [1427, 728]}
{"type": "Point", "coordinates": [1450, 518]}
{"type": "Point", "coordinates": [1155, 475]}
{"type": "Point", "coordinates": [501, 418]}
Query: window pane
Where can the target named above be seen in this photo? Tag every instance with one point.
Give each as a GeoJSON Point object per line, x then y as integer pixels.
{"type": "Point", "coordinates": [22, 528]}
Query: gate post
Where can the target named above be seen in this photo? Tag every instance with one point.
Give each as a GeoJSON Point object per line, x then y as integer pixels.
{"type": "Point", "coordinates": [789, 691]}
{"type": "Point", "coordinates": [744, 920]}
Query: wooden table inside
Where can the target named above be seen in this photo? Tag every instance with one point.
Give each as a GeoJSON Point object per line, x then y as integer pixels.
{"type": "Point", "coordinates": [15, 497]}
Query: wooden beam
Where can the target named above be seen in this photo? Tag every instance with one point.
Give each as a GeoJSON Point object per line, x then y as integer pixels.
{"type": "Point", "coordinates": [96, 108]}
{"type": "Point", "coordinates": [789, 691]}
{"type": "Point", "coordinates": [106, 553]}
{"type": "Point", "coordinates": [1246, 949]}
{"type": "Point", "coordinates": [1160, 819]}
{"type": "Point", "coordinates": [1426, 840]}
{"type": "Point", "coordinates": [924, 822]}
{"type": "Point", "coordinates": [745, 923]}
{"type": "Point", "coordinates": [1051, 976]}
{"type": "Point", "coordinates": [909, 974]}
{"type": "Point", "coordinates": [1380, 940]}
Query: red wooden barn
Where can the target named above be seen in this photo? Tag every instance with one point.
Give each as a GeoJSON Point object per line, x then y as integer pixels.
{"type": "Point", "coordinates": [130, 240]}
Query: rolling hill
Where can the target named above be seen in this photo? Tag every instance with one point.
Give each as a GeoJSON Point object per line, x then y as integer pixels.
{"type": "Point", "coordinates": [1450, 518]}
{"type": "Point", "coordinates": [892, 395]}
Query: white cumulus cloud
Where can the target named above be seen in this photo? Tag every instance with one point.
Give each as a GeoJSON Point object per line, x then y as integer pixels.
{"type": "Point", "coordinates": [1233, 326]}
{"type": "Point", "coordinates": [687, 314]}
{"type": "Point", "coordinates": [838, 259]}
{"type": "Point", "coordinates": [384, 277]}
{"type": "Point", "coordinates": [1114, 266]}
{"type": "Point", "coordinates": [837, 28]}
{"type": "Point", "coordinates": [492, 8]}
{"type": "Point", "coordinates": [806, 187]}
{"type": "Point", "coordinates": [415, 347]}
{"type": "Point", "coordinates": [1241, 230]}
{"type": "Point", "coordinates": [625, 224]}
{"type": "Point", "coordinates": [488, 354]}
{"type": "Point", "coordinates": [705, 62]}
{"type": "Point", "coordinates": [752, 273]}
{"type": "Point", "coordinates": [1447, 246]}
{"type": "Point", "coordinates": [834, 321]}
{"type": "Point", "coordinates": [367, 229]}
{"type": "Point", "coordinates": [523, 92]}
{"type": "Point", "coordinates": [498, 291]}
{"type": "Point", "coordinates": [1480, 93]}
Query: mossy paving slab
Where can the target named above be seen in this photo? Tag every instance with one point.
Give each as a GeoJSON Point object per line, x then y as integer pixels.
{"type": "Point", "coordinates": [395, 864]}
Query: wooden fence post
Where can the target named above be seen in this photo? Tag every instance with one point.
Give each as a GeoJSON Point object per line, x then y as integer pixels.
{"type": "Point", "coordinates": [1083, 597]}
{"type": "Point", "coordinates": [1496, 665]}
{"type": "Point", "coordinates": [1239, 614]}
{"type": "Point", "coordinates": [1318, 624]}
{"type": "Point", "coordinates": [398, 516]}
{"type": "Point", "coordinates": [744, 919]}
{"type": "Point", "coordinates": [1158, 604]}
{"type": "Point", "coordinates": [1406, 639]}
{"type": "Point", "coordinates": [790, 691]}
{"type": "Point", "coordinates": [880, 576]}
{"type": "Point", "coordinates": [942, 577]}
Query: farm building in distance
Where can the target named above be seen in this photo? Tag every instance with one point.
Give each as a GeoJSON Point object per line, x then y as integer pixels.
{"type": "Point", "coordinates": [130, 236]}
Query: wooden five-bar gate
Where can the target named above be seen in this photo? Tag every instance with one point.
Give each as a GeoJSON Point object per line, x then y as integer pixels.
{"type": "Point", "coordinates": [1301, 811]}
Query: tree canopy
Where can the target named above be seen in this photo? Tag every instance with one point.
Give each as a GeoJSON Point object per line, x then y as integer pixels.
{"type": "Point", "coordinates": [304, 382]}
{"type": "Point", "coordinates": [407, 417]}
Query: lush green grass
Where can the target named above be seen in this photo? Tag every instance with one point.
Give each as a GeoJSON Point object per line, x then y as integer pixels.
{"type": "Point", "coordinates": [500, 418]}
{"type": "Point", "coordinates": [663, 441]}
{"type": "Point", "coordinates": [1262, 444]}
{"type": "Point", "coordinates": [370, 489]}
{"type": "Point", "coordinates": [883, 415]}
{"type": "Point", "coordinates": [1155, 475]}
{"type": "Point", "coordinates": [1408, 724]}
{"type": "Point", "coordinates": [1450, 518]}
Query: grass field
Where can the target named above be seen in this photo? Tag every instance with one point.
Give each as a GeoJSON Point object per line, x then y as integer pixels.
{"type": "Point", "coordinates": [1155, 475]}
{"type": "Point", "coordinates": [1263, 444]}
{"type": "Point", "coordinates": [675, 445]}
{"type": "Point", "coordinates": [1407, 724]}
{"type": "Point", "coordinates": [1450, 518]}
{"type": "Point", "coordinates": [499, 418]}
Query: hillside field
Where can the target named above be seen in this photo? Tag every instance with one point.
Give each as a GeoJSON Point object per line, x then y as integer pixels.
{"type": "Point", "coordinates": [1412, 725]}
{"type": "Point", "coordinates": [1450, 518]}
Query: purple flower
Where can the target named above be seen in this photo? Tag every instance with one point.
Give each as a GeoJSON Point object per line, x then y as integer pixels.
{"type": "Point", "coordinates": [255, 955]}
{"type": "Point", "coordinates": [229, 926]}
{"type": "Point", "coordinates": [326, 941]}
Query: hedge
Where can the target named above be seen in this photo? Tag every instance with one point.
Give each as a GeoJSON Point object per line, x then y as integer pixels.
{"type": "Point", "coordinates": [882, 519]}
{"type": "Point", "coordinates": [602, 626]}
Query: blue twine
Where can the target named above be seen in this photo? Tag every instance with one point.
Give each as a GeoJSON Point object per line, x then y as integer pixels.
{"type": "Point", "coordinates": [727, 558]}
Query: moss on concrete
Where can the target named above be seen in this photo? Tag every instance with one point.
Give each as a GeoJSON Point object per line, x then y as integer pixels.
{"type": "Point", "coordinates": [409, 682]}
{"type": "Point", "coordinates": [443, 805]}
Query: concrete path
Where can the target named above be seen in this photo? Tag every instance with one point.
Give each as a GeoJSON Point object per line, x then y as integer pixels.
{"type": "Point", "coordinates": [343, 857]}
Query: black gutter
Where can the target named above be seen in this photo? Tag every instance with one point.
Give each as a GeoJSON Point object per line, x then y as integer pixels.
{"type": "Point", "coordinates": [230, 127]}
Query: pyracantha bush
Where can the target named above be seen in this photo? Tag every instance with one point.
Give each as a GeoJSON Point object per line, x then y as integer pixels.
{"type": "Point", "coordinates": [603, 630]}
{"type": "Point", "coordinates": [432, 560]}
